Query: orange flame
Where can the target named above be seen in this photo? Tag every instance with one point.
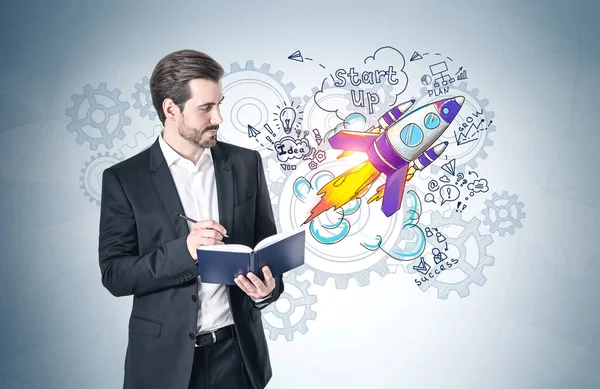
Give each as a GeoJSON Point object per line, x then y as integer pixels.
{"type": "Point", "coordinates": [345, 153]}
{"type": "Point", "coordinates": [350, 185]}
{"type": "Point", "coordinates": [377, 196]}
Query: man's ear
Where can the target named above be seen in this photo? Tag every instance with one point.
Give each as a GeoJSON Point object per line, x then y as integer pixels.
{"type": "Point", "coordinates": [170, 108]}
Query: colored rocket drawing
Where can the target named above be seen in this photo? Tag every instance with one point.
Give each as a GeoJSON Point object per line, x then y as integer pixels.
{"type": "Point", "coordinates": [400, 145]}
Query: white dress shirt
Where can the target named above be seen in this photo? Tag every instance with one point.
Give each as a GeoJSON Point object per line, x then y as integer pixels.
{"type": "Point", "coordinates": [198, 194]}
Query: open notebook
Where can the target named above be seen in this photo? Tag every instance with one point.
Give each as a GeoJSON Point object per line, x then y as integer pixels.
{"type": "Point", "coordinates": [220, 264]}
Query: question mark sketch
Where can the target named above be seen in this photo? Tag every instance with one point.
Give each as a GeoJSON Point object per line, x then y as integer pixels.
{"type": "Point", "coordinates": [459, 177]}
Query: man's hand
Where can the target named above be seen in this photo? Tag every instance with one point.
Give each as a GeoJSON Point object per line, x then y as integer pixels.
{"type": "Point", "coordinates": [204, 233]}
{"type": "Point", "coordinates": [254, 287]}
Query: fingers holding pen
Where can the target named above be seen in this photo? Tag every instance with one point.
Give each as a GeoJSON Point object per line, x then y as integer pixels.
{"type": "Point", "coordinates": [210, 225]}
{"type": "Point", "coordinates": [205, 224]}
{"type": "Point", "coordinates": [204, 233]}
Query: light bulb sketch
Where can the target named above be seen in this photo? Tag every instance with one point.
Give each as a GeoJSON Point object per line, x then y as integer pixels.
{"type": "Point", "coordinates": [287, 117]}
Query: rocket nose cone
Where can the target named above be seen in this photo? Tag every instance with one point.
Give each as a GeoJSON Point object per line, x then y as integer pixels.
{"type": "Point", "coordinates": [460, 100]}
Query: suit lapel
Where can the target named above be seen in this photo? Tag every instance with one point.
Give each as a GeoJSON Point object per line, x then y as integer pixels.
{"type": "Point", "coordinates": [167, 191]}
{"type": "Point", "coordinates": [165, 186]}
{"type": "Point", "coordinates": [225, 188]}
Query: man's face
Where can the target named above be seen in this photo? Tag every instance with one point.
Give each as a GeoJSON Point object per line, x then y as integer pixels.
{"type": "Point", "coordinates": [201, 117]}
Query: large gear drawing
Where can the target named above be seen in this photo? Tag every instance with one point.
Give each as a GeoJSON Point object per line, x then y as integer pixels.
{"type": "Point", "coordinates": [141, 142]}
{"type": "Point", "coordinates": [91, 174]}
{"type": "Point", "coordinates": [146, 108]}
{"type": "Point", "coordinates": [362, 276]}
{"type": "Point", "coordinates": [508, 213]}
{"type": "Point", "coordinates": [347, 259]}
{"type": "Point", "coordinates": [314, 117]}
{"type": "Point", "coordinates": [410, 238]}
{"type": "Point", "coordinates": [98, 116]}
{"type": "Point", "coordinates": [474, 274]}
{"type": "Point", "coordinates": [305, 302]}
{"type": "Point", "coordinates": [276, 178]}
{"type": "Point", "coordinates": [251, 96]}
{"type": "Point", "coordinates": [476, 149]}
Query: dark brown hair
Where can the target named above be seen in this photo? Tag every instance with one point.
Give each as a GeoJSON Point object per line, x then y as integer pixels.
{"type": "Point", "coordinates": [172, 73]}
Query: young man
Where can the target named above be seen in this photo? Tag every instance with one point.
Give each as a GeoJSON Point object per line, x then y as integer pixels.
{"type": "Point", "coordinates": [184, 333]}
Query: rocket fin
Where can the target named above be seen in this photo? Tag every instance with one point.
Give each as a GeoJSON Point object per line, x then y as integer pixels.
{"type": "Point", "coordinates": [394, 191]}
{"type": "Point", "coordinates": [352, 140]}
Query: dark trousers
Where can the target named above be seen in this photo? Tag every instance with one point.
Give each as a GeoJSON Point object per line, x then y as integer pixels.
{"type": "Point", "coordinates": [219, 366]}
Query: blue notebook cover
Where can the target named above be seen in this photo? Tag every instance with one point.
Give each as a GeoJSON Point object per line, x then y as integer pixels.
{"type": "Point", "coordinates": [281, 253]}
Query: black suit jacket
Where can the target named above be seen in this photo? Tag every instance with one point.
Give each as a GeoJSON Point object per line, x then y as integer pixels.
{"type": "Point", "coordinates": [143, 252]}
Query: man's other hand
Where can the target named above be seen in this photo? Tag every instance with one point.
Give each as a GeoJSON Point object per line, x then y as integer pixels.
{"type": "Point", "coordinates": [254, 286]}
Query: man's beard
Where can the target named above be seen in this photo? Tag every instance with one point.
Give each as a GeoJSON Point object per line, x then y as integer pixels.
{"type": "Point", "coordinates": [195, 137]}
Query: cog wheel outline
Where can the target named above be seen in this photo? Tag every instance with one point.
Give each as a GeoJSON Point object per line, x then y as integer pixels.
{"type": "Point", "coordinates": [309, 99]}
{"type": "Point", "coordinates": [483, 103]}
{"type": "Point", "coordinates": [77, 124]}
{"type": "Point", "coordinates": [307, 300]}
{"type": "Point", "coordinates": [276, 187]}
{"type": "Point", "coordinates": [362, 277]}
{"type": "Point", "coordinates": [86, 171]}
{"type": "Point", "coordinates": [131, 149]}
{"type": "Point", "coordinates": [474, 274]}
{"type": "Point", "coordinates": [492, 204]}
{"type": "Point", "coordinates": [146, 109]}
{"type": "Point", "coordinates": [381, 267]}
{"type": "Point", "coordinates": [264, 69]}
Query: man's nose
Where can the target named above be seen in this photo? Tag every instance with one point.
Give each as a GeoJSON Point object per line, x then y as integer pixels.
{"type": "Point", "coordinates": [216, 117]}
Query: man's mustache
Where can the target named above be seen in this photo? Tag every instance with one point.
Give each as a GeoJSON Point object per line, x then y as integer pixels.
{"type": "Point", "coordinates": [210, 128]}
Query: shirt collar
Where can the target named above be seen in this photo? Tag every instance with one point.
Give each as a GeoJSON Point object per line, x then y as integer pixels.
{"type": "Point", "coordinates": [172, 157]}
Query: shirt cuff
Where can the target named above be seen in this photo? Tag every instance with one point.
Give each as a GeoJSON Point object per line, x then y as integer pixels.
{"type": "Point", "coordinates": [262, 299]}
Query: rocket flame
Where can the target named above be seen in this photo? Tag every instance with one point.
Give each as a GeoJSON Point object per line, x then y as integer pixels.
{"type": "Point", "coordinates": [345, 153]}
{"type": "Point", "coordinates": [377, 196]}
{"type": "Point", "coordinates": [350, 185]}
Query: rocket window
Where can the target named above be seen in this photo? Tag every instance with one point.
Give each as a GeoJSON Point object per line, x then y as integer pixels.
{"type": "Point", "coordinates": [411, 135]}
{"type": "Point", "coordinates": [431, 121]}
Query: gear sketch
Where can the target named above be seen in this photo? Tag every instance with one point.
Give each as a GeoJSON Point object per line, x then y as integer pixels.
{"type": "Point", "coordinates": [94, 127]}
{"type": "Point", "coordinates": [346, 259]}
{"type": "Point", "coordinates": [507, 213]}
{"type": "Point", "coordinates": [146, 108]}
{"type": "Point", "coordinates": [315, 117]}
{"type": "Point", "coordinates": [474, 274]}
{"type": "Point", "coordinates": [467, 154]}
{"type": "Point", "coordinates": [299, 300]}
{"type": "Point", "coordinates": [91, 174]}
{"type": "Point", "coordinates": [141, 142]}
{"type": "Point", "coordinates": [253, 95]}
{"type": "Point", "coordinates": [361, 275]}
{"type": "Point", "coordinates": [276, 179]}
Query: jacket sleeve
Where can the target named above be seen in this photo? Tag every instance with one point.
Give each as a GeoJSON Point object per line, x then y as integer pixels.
{"type": "Point", "coordinates": [124, 271]}
{"type": "Point", "coordinates": [264, 226]}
